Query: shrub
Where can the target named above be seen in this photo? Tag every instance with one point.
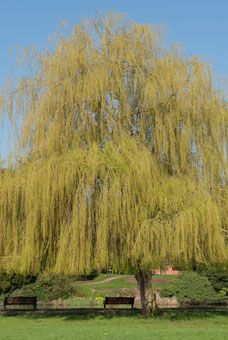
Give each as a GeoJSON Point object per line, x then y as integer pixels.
{"type": "Point", "coordinates": [49, 287]}
{"type": "Point", "coordinates": [224, 292]}
{"type": "Point", "coordinates": [11, 281]}
{"type": "Point", "coordinates": [192, 288]}
{"type": "Point", "coordinates": [87, 277]}
{"type": "Point", "coordinates": [217, 277]}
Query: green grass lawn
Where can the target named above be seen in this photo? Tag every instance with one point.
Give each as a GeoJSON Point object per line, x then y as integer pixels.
{"type": "Point", "coordinates": [102, 277]}
{"type": "Point", "coordinates": [179, 326]}
{"type": "Point", "coordinates": [117, 283]}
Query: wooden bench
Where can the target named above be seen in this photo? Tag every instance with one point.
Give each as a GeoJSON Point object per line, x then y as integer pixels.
{"type": "Point", "coordinates": [20, 300]}
{"type": "Point", "coordinates": [120, 300]}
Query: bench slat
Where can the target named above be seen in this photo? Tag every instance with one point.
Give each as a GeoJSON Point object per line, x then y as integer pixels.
{"type": "Point", "coordinates": [20, 300]}
{"type": "Point", "coordinates": [120, 300]}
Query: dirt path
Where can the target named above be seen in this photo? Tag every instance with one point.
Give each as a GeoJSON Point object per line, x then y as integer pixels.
{"type": "Point", "coordinates": [99, 282]}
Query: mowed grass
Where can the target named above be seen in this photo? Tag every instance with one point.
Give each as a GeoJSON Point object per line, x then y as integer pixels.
{"type": "Point", "coordinates": [174, 326]}
{"type": "Point", "coordinates": [102, 277]}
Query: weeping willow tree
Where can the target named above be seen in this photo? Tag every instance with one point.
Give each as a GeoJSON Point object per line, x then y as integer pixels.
{"type": "Point", "coordinates": [121, 156]}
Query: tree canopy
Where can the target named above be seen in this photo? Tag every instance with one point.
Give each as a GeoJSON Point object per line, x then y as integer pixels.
{"type": "Point", "coordinates": [122, 149]}
{"type": "Point", "coordinates": [100, 208]}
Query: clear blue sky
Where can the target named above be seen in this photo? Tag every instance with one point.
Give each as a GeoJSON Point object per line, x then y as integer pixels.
{"type": "Point", "coordinates": [202, 26]}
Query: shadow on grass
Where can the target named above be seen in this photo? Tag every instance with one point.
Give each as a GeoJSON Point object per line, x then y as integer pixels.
{"type": "Point", "coordinates": [171, 316]}
{"type": "Point", "coordinates": [191, 316]}
{"type": "Point", "coordinates": [71, 316]}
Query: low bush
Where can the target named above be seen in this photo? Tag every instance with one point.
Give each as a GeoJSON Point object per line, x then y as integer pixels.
{"type": "Point", "coordinates": [217, 277]}
{"type": "Point", "coordinates": [11, 281]}
{"type": "Point", "coordinates": [189, 287]}
{"type": "Point", "coordinates": [48, 288]}
{"type": "Point", "coordinates": [87, 277]}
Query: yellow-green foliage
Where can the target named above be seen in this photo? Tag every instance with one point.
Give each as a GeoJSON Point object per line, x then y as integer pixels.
{"type": "Point", "coordinates": [110, 74]}
{"type": "Point", "coordinates": [122, 155]}
{"type": "Point", "coordinates": [104, 207]}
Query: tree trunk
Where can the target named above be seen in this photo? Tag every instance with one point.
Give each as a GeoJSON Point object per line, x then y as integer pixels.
{"type": "Point", "coordinates": [148, 297]}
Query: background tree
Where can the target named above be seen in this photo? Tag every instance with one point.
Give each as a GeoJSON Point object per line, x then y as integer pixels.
{"type": "Point", "coordinates": [121, 156]}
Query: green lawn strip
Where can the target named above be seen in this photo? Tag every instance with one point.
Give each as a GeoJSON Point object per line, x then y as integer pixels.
{"type": "Point", "coordinates": [173, 326]}
{"type": "Point", "coordinates": [118, 283]}
{"type": "Point", "coordinates": [102, 277]}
